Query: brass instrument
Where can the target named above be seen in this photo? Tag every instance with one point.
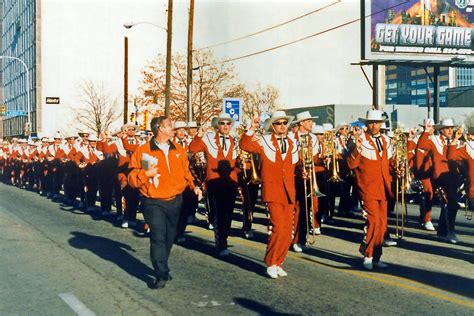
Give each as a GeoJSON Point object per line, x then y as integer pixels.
{"type": "Point", "coordinates": [403, 180]}
{"type": "Point", "coordinates": [330, 152]}
{"type": "Point", "coordinates": [248, 179]}
{"type": "Point", "coordinates": [306, 157]}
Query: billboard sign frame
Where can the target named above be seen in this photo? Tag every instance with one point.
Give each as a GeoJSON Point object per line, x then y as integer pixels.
{"type": "Point", "coordinates": [396, 35]}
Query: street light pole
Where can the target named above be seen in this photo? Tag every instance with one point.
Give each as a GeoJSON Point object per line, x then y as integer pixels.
{"type": "Point", "coordinates": [27, 74]}
{"type": "Point", "coordinates": [168, 58]}
{"type": "Point", "coordinates": [169, 31]}
{"type": "Point", "coordinates": [189, 78]}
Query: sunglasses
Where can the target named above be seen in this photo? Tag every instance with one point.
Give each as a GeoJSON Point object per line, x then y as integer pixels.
{"type": "Point", "coordinates": [344, 128]}
{"type": "Point", "coordinates": [281, 123]}
{"type": "Point", "coordinates": [224, 123]}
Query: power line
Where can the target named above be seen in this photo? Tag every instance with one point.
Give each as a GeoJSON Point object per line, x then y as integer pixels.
{"type": "Point", "coordinates": [300, 39]}
{"type": "Point", "coordinates": [272, 27]}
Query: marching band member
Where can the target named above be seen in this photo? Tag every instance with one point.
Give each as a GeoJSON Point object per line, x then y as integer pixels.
{"type": "Point", "coordinates": [190, 201]}
{"type": "Point", "coordinates": [221, 183]}
{"type": "Point", "coordinates": [423, 172]}
{"type": "Point", "coordinates": [86, 159]}
{"type": "Point", "coordinates": [465, 152]}
{"type": "Point", "coordinates": [444, 175]}
{"type": "Point", "coordinates": [107, 170]}
{"type": "Point", "coordinates": [303, 136]}
{"type": "Point", "coordinates": [126, 145]}
{"type": "Point", "coordinates": [342, 141]}
{"type": "Point", "coordinates": [161, 182]}
{"type": "Point", "coordinates": [370, 159]}
{"type": "Point", "coordinates": [279, 156]}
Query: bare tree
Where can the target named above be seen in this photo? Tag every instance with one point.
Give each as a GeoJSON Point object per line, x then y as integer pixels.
{"type": "Point", "coordinates": [211, 83]}
{"type": "Point", "coordinates": [469, 121]}
{"type": "Point", "coordinates": [262, 99]}
{"type": "Point", "coordinates": [98, 108]}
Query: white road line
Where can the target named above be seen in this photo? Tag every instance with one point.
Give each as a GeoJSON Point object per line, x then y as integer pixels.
{"type": "Point", "coordinates": [76, 305]}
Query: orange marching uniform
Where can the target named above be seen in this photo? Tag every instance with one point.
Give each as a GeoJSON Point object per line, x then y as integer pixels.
{"type": "Point", "coordinates": [278, 187]}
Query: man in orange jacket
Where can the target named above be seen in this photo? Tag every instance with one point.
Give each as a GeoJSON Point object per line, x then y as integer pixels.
{"type": "Point", "coordinates": [370, 159]}
{"type": "Point", "coordinates": [279, 154]}
{"type": "Point", "coordinates": [160, 171]}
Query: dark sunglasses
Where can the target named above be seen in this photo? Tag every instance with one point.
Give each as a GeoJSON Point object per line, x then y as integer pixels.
{"type": "Point", "coordinates": [281, 123]}
{"type": "Point", "coordinates": [344, 127]}
{"type": "Point", "coordinates": [224, 123]}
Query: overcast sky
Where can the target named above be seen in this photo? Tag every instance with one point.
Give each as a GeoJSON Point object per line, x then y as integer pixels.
{"type": "Point", "coordinates": [314, 71]}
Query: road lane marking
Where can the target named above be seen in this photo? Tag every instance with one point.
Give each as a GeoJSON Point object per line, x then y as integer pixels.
{"type": "Point", "coordinates": [366, 275]}
{"type": "Point", "coordinates": [76, 305]}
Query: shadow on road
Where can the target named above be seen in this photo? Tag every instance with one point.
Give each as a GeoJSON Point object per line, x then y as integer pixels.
{"type": "Point", "coordinates": [115, 252]}
{"type": "Point", "coordinates": [206, 247]}
{"type": "Point", "coordinates": [257, 307]}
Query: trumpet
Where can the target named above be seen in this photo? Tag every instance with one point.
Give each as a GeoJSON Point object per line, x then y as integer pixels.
{"type": "Point", "coordinates": [306, 157]}
{"type": "Point", "coordinates": [254, 177]}
{"type": "Point", "coordinates": [331, 152]}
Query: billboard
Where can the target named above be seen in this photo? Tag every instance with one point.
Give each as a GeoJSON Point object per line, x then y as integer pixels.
{"type": "Point", "coordinates": [428, 30]}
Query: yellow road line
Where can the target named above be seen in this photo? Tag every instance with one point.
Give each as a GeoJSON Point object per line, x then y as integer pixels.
{"type": "Point", "coordinates": [420, 289]}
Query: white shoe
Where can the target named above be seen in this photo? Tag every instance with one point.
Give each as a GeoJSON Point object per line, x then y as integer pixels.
{"type": "Point", "coordinates": [389, 243]}
{"type": "Point", "coordinates": [281, 272]}
{"type": "Point", "coordinates": [429, 226]}
{"type": "Point", "coordinates": [317, 231]}
{"type": "Point", "coordinates": [297, 248]}
{"type": "Point", "coordinates": [368, 265]}
{"type": "Point", "coordinates": [125, 224]}
{"type": "Point", "coordinates": [211, 227]}
{"type": "Point", "coordinates": [273, 271]}
{"type": "Point", "coordinates": [380, 265]}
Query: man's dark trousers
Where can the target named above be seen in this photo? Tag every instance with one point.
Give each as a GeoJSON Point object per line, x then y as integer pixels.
{"type": "Point", "coordinates": [162, 217]}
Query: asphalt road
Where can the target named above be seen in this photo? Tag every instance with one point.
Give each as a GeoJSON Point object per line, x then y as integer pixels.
{"type": "Point", "coordinates": [56, 260]}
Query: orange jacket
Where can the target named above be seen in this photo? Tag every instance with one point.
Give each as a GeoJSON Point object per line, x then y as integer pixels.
{"type": "Point", "coordinates": [172, 179]}
{"type": "Point", "coordinates": [437, 150]}
{"type": "Point", "coordinates": [212, 147]}
{"type": "Point", "coordinates": [130, 144]}
{"type": "Point", "coordinates": [278, 175]}
{"type": "Point", "coordinates": [372, 171]}
{"type": "Point", "coordinates": [466, 153]}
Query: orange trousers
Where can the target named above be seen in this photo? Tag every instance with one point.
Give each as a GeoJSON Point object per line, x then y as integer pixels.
{"type": "Point", "coordinates": [375, 227]}
{"type": "Point", "coordinates": [279, 241]}
{"type": "Point", "coordinates": [428, 189]}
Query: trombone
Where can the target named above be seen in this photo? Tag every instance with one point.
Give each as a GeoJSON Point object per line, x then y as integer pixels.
{"type": "Point", "coordinates": [403, 180]}
{"type": "Point", "coordinates": [306, 156]}
{"type": "Point", "coordinates": [248, 179]}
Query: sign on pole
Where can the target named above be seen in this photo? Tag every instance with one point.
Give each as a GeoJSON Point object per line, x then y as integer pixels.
{"type": "Point", "coordinates": [16, 113]}
{"type": "Point", "coordinates": [233, 107]}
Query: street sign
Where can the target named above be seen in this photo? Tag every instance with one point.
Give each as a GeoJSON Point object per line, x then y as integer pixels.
{"type": "Point", "coordinates": [52, 100]}
{"type": "Point", "coordinates": [16, 113]}
{"type": "Point", "coordinates": [233, 107]}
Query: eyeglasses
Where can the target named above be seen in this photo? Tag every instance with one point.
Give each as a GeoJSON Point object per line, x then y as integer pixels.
{"type": "Point", "coordinates": [224, 123]}
{"type": "Point", "coordinates": [281, 123]}
{"type": "Point", "coordinates": [345, 127]}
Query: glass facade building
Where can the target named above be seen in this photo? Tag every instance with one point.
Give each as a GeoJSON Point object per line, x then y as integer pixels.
{"type": "Point", "coordinates": [18, 40]}
{"type": "Point", "coordinates": [409, 85]}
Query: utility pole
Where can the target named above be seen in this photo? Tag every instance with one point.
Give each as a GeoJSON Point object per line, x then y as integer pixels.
{"type": "Point", "coordinates": [189, 79]}
{"type": "Point", "coordinates": [168, 58]}
{"type": "Point", "coordinates": [125, 81]}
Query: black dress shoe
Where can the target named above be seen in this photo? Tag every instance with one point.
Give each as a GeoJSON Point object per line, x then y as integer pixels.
{"type": "Point", "coordinates": [158, 284]}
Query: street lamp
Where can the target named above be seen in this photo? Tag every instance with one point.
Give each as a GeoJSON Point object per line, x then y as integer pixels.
{"type": "Point", "coordinates": [129, 25]}
{"type": "Point", "coordinates": [28, 117]}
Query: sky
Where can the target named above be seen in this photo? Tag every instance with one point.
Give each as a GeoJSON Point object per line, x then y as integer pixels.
{"type": "Point", "coordinates": [314, 71]}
